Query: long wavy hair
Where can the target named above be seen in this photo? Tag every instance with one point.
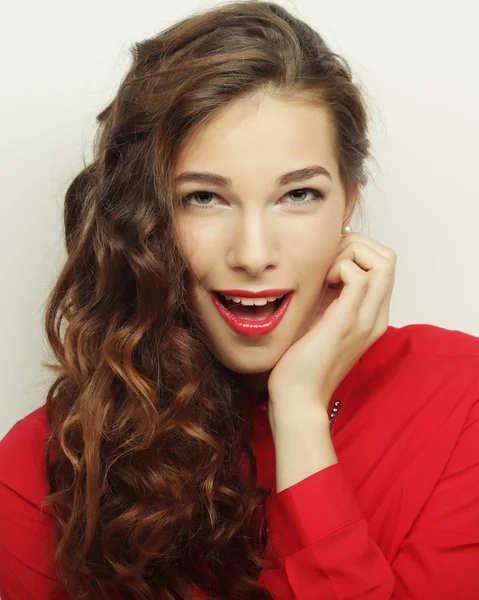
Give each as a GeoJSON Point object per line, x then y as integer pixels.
{"type": "Point", "coordinates": [146, 427]}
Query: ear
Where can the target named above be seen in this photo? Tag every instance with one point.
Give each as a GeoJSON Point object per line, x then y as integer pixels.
{"type": "Point", "coordinates": [351, 201]}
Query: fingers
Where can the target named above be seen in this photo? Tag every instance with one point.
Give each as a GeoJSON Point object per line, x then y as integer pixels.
{"type": "Point", "coordinates": [374, 312]}
{"type": "Point", "coordinates": [355, 288]}
{"type": "Point", "coordinates": [352, 239]}
{"type": "Point", "coordinates": [367, 271]}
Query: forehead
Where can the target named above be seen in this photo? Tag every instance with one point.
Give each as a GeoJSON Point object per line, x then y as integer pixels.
{"type": "Point", "coordinates": [261, 132]}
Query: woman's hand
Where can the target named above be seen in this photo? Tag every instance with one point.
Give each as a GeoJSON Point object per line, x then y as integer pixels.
{"type": "Point", "coordinates": [352, 316]}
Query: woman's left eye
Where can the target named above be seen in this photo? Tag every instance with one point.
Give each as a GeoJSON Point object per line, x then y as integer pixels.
{"type": "Point", "coordinates": [316, 195]}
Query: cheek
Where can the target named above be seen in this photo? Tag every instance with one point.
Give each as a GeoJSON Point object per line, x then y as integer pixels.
{"type": "Point", "coordinates": [201, 258]}
{"type": "Point", "coordinates": [198, 238]}
{"type": "Point", "coordinates": [190, 244]}
{"type": "Point", "coordinates": [315, 254]}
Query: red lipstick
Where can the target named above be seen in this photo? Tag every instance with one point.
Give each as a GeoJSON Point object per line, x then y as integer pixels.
{"type": "Point", "coordinates": [248, 294]}
{"type": "Point", "coordinates": [249, 327]}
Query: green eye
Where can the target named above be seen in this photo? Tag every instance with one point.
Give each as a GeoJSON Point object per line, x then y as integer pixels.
{"type": "Point", "coordinates": [316, 196]}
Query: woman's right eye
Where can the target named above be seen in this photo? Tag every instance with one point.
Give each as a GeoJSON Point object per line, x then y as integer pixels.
{"type": "Point", "coordinates": [200, 194]}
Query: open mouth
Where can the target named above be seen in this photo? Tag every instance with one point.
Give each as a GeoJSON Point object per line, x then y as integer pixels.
{"type": "Point", "coordinates": [252, 320]}
{"type": "Point", "coordinates": [229, 304]}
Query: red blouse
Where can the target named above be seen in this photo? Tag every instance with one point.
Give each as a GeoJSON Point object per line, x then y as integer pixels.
{"type": "Point", "coordinates": [396, 518]}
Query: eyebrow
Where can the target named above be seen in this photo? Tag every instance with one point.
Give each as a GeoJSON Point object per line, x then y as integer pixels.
{"type": "Point", "coordinates": [291, 177]}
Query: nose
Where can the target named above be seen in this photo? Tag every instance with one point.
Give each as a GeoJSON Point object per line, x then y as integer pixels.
{"type": "Point", "coordinates": [253, 247]}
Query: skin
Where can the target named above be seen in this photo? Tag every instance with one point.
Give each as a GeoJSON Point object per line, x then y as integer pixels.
{"type": "Point", "coordinates": [258, 235]}
{"type": "Point", "coordinates": [301, 383]}
{"type": "Point", "coordinates": [253, 237]}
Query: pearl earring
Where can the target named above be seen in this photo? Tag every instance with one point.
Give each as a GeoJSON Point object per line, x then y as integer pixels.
{"type": "Point", "coordinates": [345, 230]}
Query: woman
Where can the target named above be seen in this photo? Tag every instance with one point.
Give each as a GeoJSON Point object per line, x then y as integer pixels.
{"type": "Point", "coordinates": [196, 446]}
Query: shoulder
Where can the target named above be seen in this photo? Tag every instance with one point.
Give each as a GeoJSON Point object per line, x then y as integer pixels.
{"type": "Point", "coordinates": [439, 341]}
{"type": "Point", "coordinates": [415, 394]}
{"type": "Point", "coordinates": [22, 456]}
{"type": "Point", "coordinates": [422, 368]}
{"type": "Point", "coordinates": [441, 355]}
{"type": "Point", "coordinates": [27, 540]}
{"type": "Point", "coordinates": [428, 346]}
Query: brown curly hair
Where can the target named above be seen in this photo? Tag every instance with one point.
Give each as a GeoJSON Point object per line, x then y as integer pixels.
{"type": "Point", "coordinates": [146, 427]}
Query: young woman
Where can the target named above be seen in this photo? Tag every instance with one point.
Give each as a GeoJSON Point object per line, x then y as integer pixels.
{"type": "Point", "coordinates": [194, 445]}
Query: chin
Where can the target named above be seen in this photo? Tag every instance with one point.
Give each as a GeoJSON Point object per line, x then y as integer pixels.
{"type": "Point", "coordinates": [249, 366]}
{"type": "Point", "coordinates": [242, 369]}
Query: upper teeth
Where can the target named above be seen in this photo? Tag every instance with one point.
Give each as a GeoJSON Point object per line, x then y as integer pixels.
{"type": "Point", "coordinates": [253, 301]}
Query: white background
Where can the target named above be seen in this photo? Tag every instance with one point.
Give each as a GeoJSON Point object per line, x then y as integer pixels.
{"type": "Point", "coordinates": [417, 61]}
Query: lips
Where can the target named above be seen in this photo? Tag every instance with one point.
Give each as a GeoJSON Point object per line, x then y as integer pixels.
{"type": "Point", "coordinates": [249, 327]}
{"type": "Point", "coordinates": [251, 294]}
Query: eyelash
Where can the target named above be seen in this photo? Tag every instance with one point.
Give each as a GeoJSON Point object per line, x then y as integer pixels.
{"type": "Point", "coordinates": [317, 196]}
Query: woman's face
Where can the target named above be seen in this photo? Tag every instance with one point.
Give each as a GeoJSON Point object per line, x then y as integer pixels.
{"type": "Point", "coordinates": [257, 233]}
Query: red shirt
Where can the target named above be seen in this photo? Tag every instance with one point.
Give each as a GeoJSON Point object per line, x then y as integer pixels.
{"type": "Point", "coordinates": [396, 518]}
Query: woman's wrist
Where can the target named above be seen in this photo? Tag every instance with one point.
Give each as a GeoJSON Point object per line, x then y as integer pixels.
{"type": "Point", "coordinates": [290, 416]}
{"type": "Point", "coordinates": [302, 445]}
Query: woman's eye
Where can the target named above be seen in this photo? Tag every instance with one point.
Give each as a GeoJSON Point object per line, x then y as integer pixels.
{"type": "Point", "coordinates": [199, 195]}
{"type": "Point", "coordinates": [315, 193]}
{"type": "Point", "coordinates": [204, 197]}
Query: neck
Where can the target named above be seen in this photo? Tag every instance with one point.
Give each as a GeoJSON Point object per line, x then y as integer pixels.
{"type": "Point", "coordinates": [254, 382]}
